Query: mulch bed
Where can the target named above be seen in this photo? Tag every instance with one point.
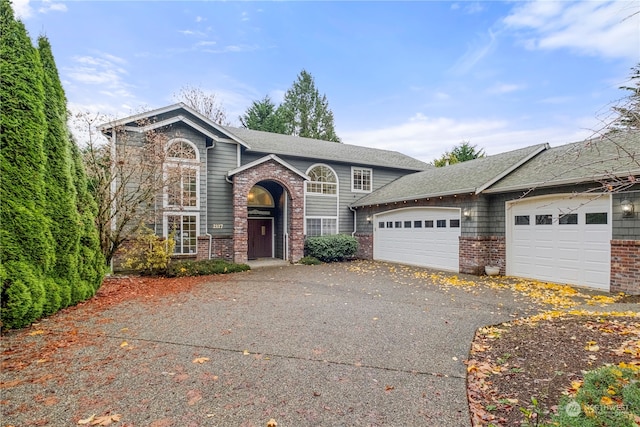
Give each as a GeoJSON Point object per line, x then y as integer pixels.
{"type": "Point", "coordinates": [511, 364]}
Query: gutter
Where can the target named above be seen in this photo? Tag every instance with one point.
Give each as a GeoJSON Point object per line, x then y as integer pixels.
{"type": "Point", "coordinates": [355, 221]}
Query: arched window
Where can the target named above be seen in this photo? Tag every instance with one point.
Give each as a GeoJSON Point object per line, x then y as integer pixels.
{"type": "Point", "coordinates": [181, 149]}
{"type": "Point", "coordinates": [260, 197]}
{"type": "Point", "coordinates": [182, 194]}
{"type": "Point", "coordinates": [323, 180]}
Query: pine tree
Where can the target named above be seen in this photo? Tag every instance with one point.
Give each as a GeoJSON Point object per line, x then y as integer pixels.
{"type": "Point", "coordinates": [263, 115]}
{"type": "Point", "coordinates": [26, 253]}
{"type": "Point", "coordinates": [305, 112]}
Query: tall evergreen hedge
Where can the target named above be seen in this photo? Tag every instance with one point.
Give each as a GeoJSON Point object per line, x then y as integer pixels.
{"type": "Point", "coordinates": [41, 227]}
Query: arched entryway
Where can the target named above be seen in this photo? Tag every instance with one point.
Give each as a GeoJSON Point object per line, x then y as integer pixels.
{"type": "Point", "coordinates": [263, 227]}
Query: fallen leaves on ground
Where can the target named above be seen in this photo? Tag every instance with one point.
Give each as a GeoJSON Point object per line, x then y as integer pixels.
{"type": "Point", "coordinates": [544, 357]}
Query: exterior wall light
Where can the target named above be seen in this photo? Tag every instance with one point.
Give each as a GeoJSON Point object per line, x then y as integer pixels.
{"type": "Point", "coordinates": [627, 208]}
{"type": "Point", "coordinates": [466, 213]}
{"type": "Point", "coordinates": [369, 219]}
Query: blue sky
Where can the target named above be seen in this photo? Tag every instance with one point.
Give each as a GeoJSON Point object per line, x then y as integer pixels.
{"type": "Point", "coordinates": [416, 77]}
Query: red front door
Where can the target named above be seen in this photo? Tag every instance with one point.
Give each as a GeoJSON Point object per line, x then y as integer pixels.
{"type": "Point", "coordinates": [260, 236]}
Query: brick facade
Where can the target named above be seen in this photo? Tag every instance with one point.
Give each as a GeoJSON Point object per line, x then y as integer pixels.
{"type": "Point", "coordinates": [222, 247]}
{"type": "Point", "coordinates": [365, 245]}
{"type": "Point", "coordinates": [294, 184]}
{"type": "Point", "coordinates": [625, 266]}
{"type": "Point", "coordinates": [477, 252]}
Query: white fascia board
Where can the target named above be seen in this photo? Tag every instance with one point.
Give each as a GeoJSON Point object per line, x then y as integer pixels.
{"type": "Point", "coordinates": [512, 168]}
{"type": "Point", "coordinates": [359, 204]}
{"type": "Point", "coordinates": [105, 126]}
{"type": "Point", "coordinates": [266, 159]}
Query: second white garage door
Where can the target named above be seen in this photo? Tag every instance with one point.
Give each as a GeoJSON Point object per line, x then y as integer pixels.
{"type": "Point", "coordinates": [426, 237]}
{"type": "Point", "coordinates": [561, 239]}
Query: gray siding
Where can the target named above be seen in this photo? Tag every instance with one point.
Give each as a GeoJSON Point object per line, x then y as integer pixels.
{"type": "Point", "coordinates": [221, 159]}
{"type": "Point", "coordinates": [321, 205]}
{"type": "Point", "coordinates": [626, 228]}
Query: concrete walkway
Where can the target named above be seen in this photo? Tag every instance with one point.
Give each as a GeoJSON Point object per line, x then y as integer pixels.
{"type": "Point", "coordinates": [353, 344]}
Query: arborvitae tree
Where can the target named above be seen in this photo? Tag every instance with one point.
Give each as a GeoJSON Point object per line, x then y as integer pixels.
{"type": "Point", "coordinates": [63, 290]}
{"type": "Point", "coordinates": [91, 262]}
{"type": "Point", "coordinates": [26, 252]}
{"type": "Point", "coordinates": [305, 112]}
{"type": "Point", "coordinates": [263, 115]}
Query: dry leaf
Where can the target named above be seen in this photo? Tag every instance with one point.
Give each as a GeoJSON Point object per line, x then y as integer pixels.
{"type": "Point", "coordinates": [87, 420]}
{"type": "Point", "coordinates": [272, 423]}
{"type": "Point", "coordinates": [200, 360]}
{"type": "Point", "coordinates": [106, 420]}
{"type": "Point", "coordinates": [37, 332]}
{"type": "Point", "coordinates": [124, 344]}
{"type": "Point", "coordinates": [246, 352]}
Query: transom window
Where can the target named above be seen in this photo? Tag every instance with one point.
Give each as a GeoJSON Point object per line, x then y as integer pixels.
{"type": "Point", "coordinates": [361, 179]}
{"type": "Point", "coordinates": [323, 180]}
{"type": "Point", "coordinates": [260, 197]}
{"type": "Point", "coordinates": [182, 149]}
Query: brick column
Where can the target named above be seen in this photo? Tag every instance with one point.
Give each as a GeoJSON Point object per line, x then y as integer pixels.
{"type": "Point", "coordinates": [476, 252]}
{"type": "Point", "coordinates": [625, 266]}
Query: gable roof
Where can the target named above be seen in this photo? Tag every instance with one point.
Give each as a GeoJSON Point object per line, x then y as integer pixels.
{"type": "Point", "coordinates": [266, 159]}
{"type": "Point", "coordinates": [469, 177]}
{"type": "Point", "coordinates": [266, 142]}
{"type": "Point", "coordinates": [610, 156]}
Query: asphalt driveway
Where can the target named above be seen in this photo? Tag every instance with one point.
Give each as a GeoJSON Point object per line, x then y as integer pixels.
{"type": "Point", "coordinates": [353, 344]}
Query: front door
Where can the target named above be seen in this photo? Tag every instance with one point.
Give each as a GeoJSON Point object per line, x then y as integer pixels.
{"type": "Point", "coordinates": [260, 238]}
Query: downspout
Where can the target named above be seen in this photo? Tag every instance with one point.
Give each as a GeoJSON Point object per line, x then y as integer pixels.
{"type": "Point", "coordinates": [206, 211]}
{"type": "Point", "coordinates": [355, 221]}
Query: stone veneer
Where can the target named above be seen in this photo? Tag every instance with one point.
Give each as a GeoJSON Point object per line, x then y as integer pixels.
{"type": "Point", "coordinates": [292, 182]}
{"type": "Point", "coordinates": [625, 266]}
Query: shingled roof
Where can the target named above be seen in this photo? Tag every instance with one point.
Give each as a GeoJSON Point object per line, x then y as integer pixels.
{"type": "Point", "coordinates": [461, 178]}
{"type": "Point", "coordinates": [273, 143]}
{"type": "Point", "coordinates": [608, 157]}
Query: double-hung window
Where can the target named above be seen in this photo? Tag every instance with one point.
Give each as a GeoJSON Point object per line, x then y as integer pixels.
{"type": "Point", "coordinates": [181, 196]}
{"type": "Point", "coordinates": [321, 226]}
{"type": "Point", "coordinates": [361, 179]}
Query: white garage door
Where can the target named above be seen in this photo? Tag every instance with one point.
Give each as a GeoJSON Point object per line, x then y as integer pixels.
{"type": "Point", "coordinates": [560, 239]}
{"type": "Point", "coordinates": [427, 237]}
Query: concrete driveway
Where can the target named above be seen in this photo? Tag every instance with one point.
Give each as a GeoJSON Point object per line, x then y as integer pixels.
{"type": "Point", "coordinates": [352, 344]}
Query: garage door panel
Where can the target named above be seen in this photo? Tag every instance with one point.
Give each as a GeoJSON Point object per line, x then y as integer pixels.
{"type": "Point", "coordinates": [435, 247]}
{"type": "Point", "coordinates": [575, 253]}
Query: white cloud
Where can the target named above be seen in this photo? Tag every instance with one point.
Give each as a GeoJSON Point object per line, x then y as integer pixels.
{"type": "Point", "coordinates": [426, 138]}
{"type": "Point", "coordinates": [22, 9]}
{"type": "Point", "coordinates": [596, 28]}
{"type": "Point", "coordinates": [501, 88]}
{"type": "Point", "coordinates": [476, 53]}
{"type": "Point", "coordinates": [100, 69]}
{"type": "Point", "coordinates": [50, 6]}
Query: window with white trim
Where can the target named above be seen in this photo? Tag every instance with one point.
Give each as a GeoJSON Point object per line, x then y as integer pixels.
{"type": "Point", "coordinates": [361, 179]}
{"type": "Point", "coordinates": [181, 195]}
{"type": "Point", "coordinates": [321, 226]}
{"type": "Point", "coordinates": [322, 180]}
{"type": "Point", "coordinates": [184, 228]}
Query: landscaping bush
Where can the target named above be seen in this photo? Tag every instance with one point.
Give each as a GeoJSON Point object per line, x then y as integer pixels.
{"type": "Point", "coordinates": [149, 254]}
{"type": "Point", "coordinates": [309, 260]}
{"type": "Point", "coordinates": [331, 248]}
{"type": "Point", "coordinates": [610, 396]}
{"type": "Point", "coordinates": [203, 267]}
